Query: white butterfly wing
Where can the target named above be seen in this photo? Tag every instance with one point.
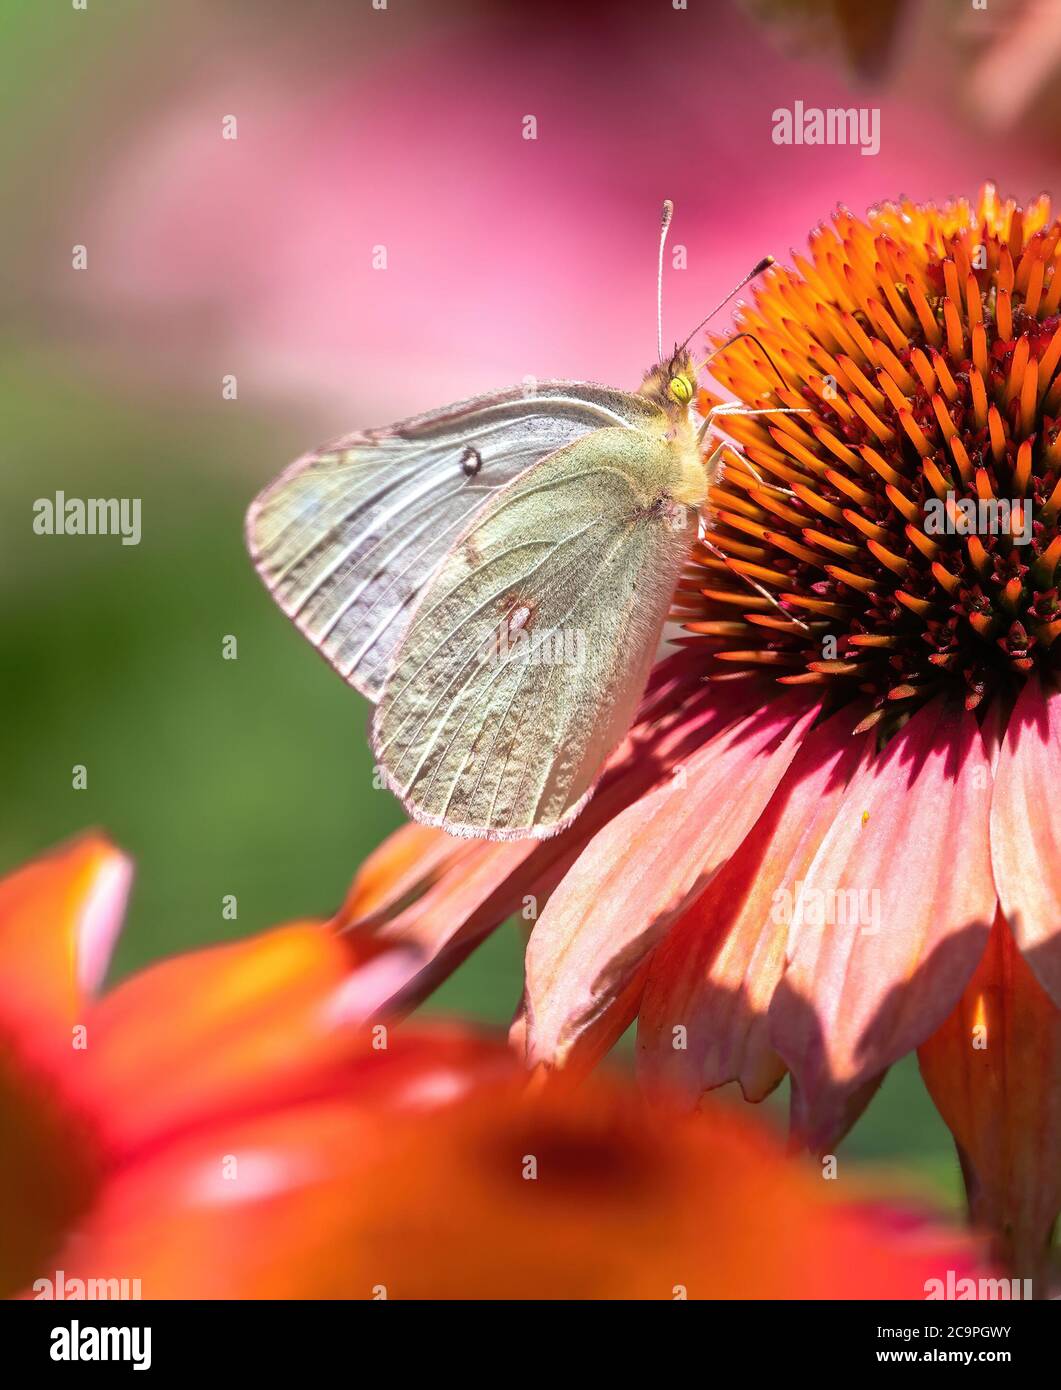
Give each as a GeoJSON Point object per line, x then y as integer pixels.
{"type": "Point", "coordinates": [530, 646]}
{"type": "Point", "coordinates": [347, 536]}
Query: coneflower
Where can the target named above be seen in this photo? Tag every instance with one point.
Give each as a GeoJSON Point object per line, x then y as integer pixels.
{"type": "Point", "coordinates": [832, 836]}
{"type": "Point", "coordinates": [923, 345]}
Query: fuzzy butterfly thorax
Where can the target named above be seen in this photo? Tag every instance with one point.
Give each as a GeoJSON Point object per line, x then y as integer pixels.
{"type": "Point", "coordinates": [671, 386]}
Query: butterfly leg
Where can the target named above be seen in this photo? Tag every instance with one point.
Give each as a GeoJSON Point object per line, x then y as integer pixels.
{"type": "Point", "coordinates": [745, 462]}
{"type": "Point", "coordinates": [752, 583]}
{"type": "Point", "coordinates": [725, 408]}
{"type": "Point", "coordinates": [738, 408]}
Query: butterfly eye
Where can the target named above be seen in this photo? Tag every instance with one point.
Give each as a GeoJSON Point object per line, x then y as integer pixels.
{"type": "Point", "coordinates": [681, 389]}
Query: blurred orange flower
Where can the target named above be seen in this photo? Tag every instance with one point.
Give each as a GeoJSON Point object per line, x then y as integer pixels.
{"type": "Point", "coordinates": [219, 1126]}
{"type": "Point", "coordinates": [123, 1109]}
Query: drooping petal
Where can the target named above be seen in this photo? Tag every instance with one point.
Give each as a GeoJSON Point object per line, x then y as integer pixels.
{"type": "Point", "coordinates": [703, 1018]}
{"type": "Point", "coordinates": [1026, 831]}
{"type": "Point", "coordinates": [484, 883]}
{"type": "Point", "coordinates": [638, 875]}
{"type": "Point", "coordinates": [994, 1072]}
{"type": "Point", "coordinates": [403, 867]}
{"type": "Point", "coordinates": [892, 920]}
{"type": "Point", "coordinates": [478, 891]}
{"type": "Point", "coordinates": [59, 918]}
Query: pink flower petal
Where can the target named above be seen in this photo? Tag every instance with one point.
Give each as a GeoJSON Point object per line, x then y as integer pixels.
{"type": "Point", "coordinates": [639, 874]}
{"type": "Point", "coordinates": [398, 872]}
{"type": "Point", "coordinates": [1026, 831]}
{"type": "Point", "coordinates": [715, 973]}
{"type": "Point", "coordinates": [867, 983]}
{"type": "Point", "coordinates": [102, 914]}
{"type": "Point", "coordinates": [463, 899]}
{"type": "Point", "coordinates": [993, 1071]}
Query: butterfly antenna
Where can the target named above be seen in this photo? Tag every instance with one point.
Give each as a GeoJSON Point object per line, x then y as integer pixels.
{"type": "Point", "coordinates": [664, 227]}
{"type": "Point", "coordinates": [736, 339]}
{"type": "Point", "coordinates": [764, 264]}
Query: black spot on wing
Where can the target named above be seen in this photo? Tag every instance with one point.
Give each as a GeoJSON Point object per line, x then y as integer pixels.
{"type": "Point", "coordinates": [471, 461]}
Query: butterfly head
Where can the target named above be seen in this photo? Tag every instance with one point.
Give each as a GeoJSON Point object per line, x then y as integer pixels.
{"type": "Point", "coordinates": [672, 385]}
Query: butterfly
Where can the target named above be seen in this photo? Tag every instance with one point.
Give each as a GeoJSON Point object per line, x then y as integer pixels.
{"type": "Point", "coordinates": [495, 577]}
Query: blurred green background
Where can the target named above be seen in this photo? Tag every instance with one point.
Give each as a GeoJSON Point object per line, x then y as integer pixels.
{"type": "Point", "coordinates": [250, 777]}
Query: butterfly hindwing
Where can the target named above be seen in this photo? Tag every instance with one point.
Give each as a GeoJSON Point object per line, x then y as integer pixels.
{"type": "Point", "coordinates": [531, 644]}
{"type": "Point", "coordinates": [346, 538]}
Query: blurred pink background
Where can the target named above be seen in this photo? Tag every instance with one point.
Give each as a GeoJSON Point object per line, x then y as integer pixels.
{"type": "Point", "coordinates": [403, 127]}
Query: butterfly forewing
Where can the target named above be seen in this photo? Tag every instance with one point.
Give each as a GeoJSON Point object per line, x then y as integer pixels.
{"type": "Point", "coordinates": [346, 538]}
{"type": "Point", "coordinates": [531, 644]}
